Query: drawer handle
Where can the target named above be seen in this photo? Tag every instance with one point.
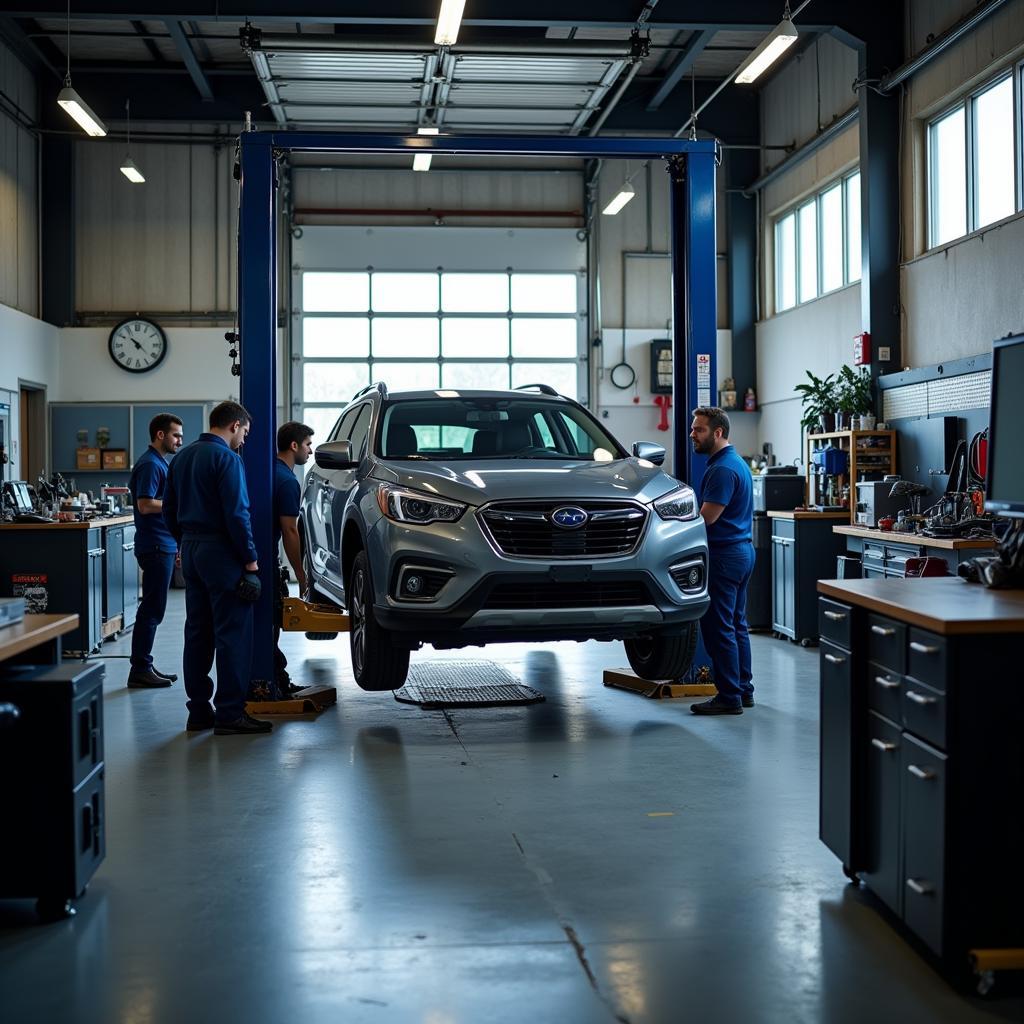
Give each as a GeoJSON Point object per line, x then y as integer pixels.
{"type": "Point", "coordinates": [836, 616]}
{"type": "Point", "coordinates": [885, 681]}
{"type": "Point", "coordinates": [923, 648]}
{"type": "Point", "coordinates": [882, 745]}
{"type": "Point", "coordinates": [127, 547]}
{"type": "Point", "coordinates": [834, 659]}
{"type": "Point", "coordinates": [920, 698]}
{"type": "Point", "coordinates": [883, 630]}
{"type": "Point", "coordinates": [920, 773]}
{"type": "Point", "coordinates": [921, 888]}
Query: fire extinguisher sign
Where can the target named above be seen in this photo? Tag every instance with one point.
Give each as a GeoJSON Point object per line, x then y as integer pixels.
{"type": "Point", "coordinates": [703, 378]}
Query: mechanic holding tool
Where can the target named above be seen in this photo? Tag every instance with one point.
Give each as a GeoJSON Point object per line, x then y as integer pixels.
{"type": "Point", "coordinates": [294, 448]}
{"type": "Point", "coordinates": [727, 505]}
{"type": "Point", "coordinates": [206, 506]}
{"type": "Point", "coordinates": [155, 549]}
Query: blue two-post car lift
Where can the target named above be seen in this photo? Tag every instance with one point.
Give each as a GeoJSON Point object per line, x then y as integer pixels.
{"type": "Point", "coordinates": [691, 165]}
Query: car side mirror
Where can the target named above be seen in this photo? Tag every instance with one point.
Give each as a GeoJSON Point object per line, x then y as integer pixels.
{"type": "Point", "coordinates": [335, 455]}
{"type": "Point", "coordinates": [650, 451]}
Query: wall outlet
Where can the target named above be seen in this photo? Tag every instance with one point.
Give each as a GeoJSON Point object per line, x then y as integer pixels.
{"type": "Point", "coordinates": [884, 353]}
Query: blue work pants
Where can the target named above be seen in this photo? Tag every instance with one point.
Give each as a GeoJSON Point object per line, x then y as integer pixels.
{"type": "Point", "coordinates": [218, 624]}
{"type": "Point", "coordinates": [724, 625]}
{"type": "Point", "coordinates": [157, 569]}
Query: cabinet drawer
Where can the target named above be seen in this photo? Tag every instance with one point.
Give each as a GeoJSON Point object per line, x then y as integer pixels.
{"type": "Point", "coordinates": [927, 658]}
{"type": "Point", "coordinates": [924, 711]}
{"type": "Point", "coordinates": [882, 812]}
{"type": "Point", "coordinates": [785, 528]}
{"type": "Point", "coordinates": [837, 777]}
{"type": "Point", "coordinates": [873, 556]}
{"type": "Point", "coordinates": [834, 621]}
{"type": "Point", "coordinates": [924, 836]}
{"type": "Point", "coordinates": [86, 733]}
{"type": "Point", "coordinates": [887, 642]}
{"type": "Point", "coordinates": [884, 691]}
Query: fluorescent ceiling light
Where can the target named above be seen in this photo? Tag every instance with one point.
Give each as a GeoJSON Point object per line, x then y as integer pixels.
{"type": "Point", "coordinates": [620, 199]}
{"type": "Point", "coordinates": [70, 101]}
{"type": "Point", "coordinates": [421, 162]}
{"type": "Point", "coordinates": [427, 131]}
{"type": "Point", "coordinates": [772, 47]}
{"type": "Point", "coordinates": [131, 172]}
{"type": "Point", "coordinates": [448, 22]}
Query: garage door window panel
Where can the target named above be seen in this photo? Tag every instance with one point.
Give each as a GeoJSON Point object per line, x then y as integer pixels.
{"type": "Point", "coordinates": [544, 293]}
{"type": "Point", "coordinates": [474, 293]}
{"type": "Point", "coordinates": [475, 376]}
{"type": "Point", "coordinates": [324, 292]}
{"type": "Point", "coordinates": [333, 382]}
{"type": "Point", "coordinates": [408, 337]}
{"type": "Point", "coordinates": [543, 338]}
{"type": "Point", "coordinates": [335, 337]}
{"type": "Point", "coordinates": [407, 376]}
{"type": "Point", "coordinates": [405, 293]}
{"type": "Point", "coordinates": [561, 376]}
{"type": "Point", "coordinates": [475, 337]}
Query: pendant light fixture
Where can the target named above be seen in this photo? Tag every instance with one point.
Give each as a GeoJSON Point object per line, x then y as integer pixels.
{"type": "Point", "coordinates": [421, 161]}
{"type": "Point", "coordinates": [770, 49]}
{"type": "Point", "coordinates": [69, 100]}
{"type": "Point", "coordinates": [128, 167]}
{"type": "Point", "coordinates": [623, 196]}
{"type": "Point", "coordinates": [449, 19]}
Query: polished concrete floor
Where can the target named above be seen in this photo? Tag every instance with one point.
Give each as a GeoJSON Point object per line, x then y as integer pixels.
{"type": "Point", "coordinates": [596, 858]}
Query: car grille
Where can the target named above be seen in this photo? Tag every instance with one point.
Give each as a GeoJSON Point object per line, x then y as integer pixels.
{"type": "Point", "coordinates": [525, 529]}
{"type": "Point", "coordinates": [568, 595]}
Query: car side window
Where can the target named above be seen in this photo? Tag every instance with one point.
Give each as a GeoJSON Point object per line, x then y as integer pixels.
{"type": "Point", "coordinates": [360, 431]}
{"type": "Point", "coordinates": [344, 426]}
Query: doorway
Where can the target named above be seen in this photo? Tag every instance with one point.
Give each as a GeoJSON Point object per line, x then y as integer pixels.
{"type": "Point", "coordinates": [32, 430]}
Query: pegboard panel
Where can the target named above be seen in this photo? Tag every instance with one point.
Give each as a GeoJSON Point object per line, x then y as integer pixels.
{"type": "Point", "coordinates": [899, 403]}
{"type": "Point", "coordinates": [952, 394]}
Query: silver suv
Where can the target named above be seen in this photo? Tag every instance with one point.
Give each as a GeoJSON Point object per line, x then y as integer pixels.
{"type": "Point", "coordinates": [458, 518]}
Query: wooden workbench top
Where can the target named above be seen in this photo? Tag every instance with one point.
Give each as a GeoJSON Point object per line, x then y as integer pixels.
{"type": "Point", "coordinates": [946, 543]}
{"type": "Point", "coordinates": [32, 631]}
{"type": "Point", "coordinates": [89, 524]}
{"type": "Point", "coordinates": [809, 514]}
{"type": "Point", "coordinates": [942, 604]}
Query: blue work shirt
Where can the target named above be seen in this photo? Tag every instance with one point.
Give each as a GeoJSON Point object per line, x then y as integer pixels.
{"type": "Point", "coordinates": [287, 495]}
{"type": "Point", "coordinates": [206, 495]}
{"type": "Point", "coordinates": [727, 481]}
{"type": "Point", "coordinates": [148, 480]}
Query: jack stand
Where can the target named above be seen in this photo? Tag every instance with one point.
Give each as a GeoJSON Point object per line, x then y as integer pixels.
{"type": "Point", "coordinates": [298, 616]}
{"type": "Point", "coordinates": [624, 679]}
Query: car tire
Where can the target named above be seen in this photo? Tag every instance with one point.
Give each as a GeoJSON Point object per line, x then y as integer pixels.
{"type": "Point", "coordinates": [377, 663]}
{"type": "Point", "coordinates": [311, 594]}
{"type": "Point", "coordinates": [663, 655]}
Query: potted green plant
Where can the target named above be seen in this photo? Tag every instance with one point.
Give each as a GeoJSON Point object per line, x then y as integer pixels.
{"type": "Point", "coordinates": [818, 399]}
{"type": "Point", "coordinates": [853, 396]}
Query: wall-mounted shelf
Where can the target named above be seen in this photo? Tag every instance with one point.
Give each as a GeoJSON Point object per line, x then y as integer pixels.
{"type": "Point", "coordinates": [883, 463]}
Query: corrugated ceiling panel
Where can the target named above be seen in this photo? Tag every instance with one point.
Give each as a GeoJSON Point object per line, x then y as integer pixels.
{"type": "Point", "coordinates": [531, 69]}
{"type": "Point", "coordinates": [350, 115]}
{"type": "Point", "coordinates": [481, 118]}
{"type": "Point", "coordinates": [348, 92]}
{"type": "Point", "coordinates": [510, 95]}
{"type": "Point", "coordinates": [373, 67]}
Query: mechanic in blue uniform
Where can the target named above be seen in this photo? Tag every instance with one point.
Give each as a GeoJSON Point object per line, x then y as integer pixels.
{"type": "Point", "coordinates": [206, 505]}
{"type": "Point", "coordinates": [727, 505]}
{"type": "Point", "coordinates": [155, 548]}
{"type": "Point", "coordinates": [294, 448]}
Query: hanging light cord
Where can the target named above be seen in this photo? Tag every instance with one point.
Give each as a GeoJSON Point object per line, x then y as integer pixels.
{"type": "Point", "coordinates": [128, 114]}
{"type": "Point", "coordinates": [67, 48]}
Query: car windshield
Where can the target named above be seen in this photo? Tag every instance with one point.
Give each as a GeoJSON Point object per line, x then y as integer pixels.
{"type": "Point", "coordinates": [448, 429]}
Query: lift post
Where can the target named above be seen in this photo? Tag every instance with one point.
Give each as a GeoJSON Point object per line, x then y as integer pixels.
{"type": "Point", "coordinates": [693, 243]}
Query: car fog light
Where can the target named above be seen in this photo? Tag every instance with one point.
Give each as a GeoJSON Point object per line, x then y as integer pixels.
{"type": "Point", "coordinates": [413, 584]}
{"type": "Point", "coordinates": [693, 578]}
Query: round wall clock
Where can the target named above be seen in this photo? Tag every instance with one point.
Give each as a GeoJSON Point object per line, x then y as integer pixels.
{"type": "Point", "coordinates": [137, 345]}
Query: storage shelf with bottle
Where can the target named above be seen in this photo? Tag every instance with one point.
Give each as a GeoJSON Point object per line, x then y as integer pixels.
{"type": "Point", "coordinates": [865, 455]}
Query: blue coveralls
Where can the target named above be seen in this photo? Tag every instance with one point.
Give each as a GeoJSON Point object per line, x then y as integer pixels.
{"type": "Point", "coordinates": [287, 497]}
{"type": "Point", "coordinates": [727, 481]}
{"type": "Point", "coordinates": [155, 551]}
{"type": "Point", "coordinates": [206, 506]}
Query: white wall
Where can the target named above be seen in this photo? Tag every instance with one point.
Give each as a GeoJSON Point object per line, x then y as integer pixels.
{"type": "Point", "coordinates": [29, 351]}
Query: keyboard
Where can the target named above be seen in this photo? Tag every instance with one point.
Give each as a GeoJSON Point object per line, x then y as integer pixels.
{"type": "Point", "coordinates": [31, 517]}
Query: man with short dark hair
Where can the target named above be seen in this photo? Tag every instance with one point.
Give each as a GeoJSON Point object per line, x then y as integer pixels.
{"type": "Point", "coordinates": [155, 548]}
{"type": "Point", "coordinates": [294, 448]}
{"type": "Point", "coordinates": [207, 509]}
{"type": "Point", "coordinates": [727, 505]}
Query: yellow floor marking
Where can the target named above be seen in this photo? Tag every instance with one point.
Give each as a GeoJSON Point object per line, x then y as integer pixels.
{"type": "Point", "coordinates": [661, 814]}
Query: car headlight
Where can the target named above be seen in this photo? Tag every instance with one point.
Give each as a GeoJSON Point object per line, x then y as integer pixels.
{"type": "Point", "coordinates": [677, 504]}
{"type": "Point", "coordinates": [413, 507]}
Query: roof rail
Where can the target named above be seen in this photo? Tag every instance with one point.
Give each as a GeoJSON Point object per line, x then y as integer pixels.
{"type": "Point", "coordinates": [380, 387]}
{"type": "Point", "coordinates": [544, 389]}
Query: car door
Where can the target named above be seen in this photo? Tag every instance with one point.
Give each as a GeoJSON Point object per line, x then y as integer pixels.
{"type": "Point", "coordinates": [319, 493]}
{"type": "Point", "coordinates": [341, 484]}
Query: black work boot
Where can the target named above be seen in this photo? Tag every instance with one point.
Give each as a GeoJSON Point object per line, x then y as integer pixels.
{"type": "Point", "coordinates": [246, 725]}
{"type": "Point", "coordinates": [140, 678]}
{"type": "Point", "coordinates": [164, 675]}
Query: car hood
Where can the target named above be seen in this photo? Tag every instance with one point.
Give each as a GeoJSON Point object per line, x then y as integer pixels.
{"type": "Point", "coordinates": [477, 483]}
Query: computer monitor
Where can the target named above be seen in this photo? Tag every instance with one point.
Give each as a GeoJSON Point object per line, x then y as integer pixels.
{"type": "Point", "coordinates": [18, 490]}
{"type": "Point", "coordinates": [1005, 479]}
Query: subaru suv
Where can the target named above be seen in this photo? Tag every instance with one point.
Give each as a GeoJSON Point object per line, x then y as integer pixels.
{"type": "Point", "coordinates": [459, 518]}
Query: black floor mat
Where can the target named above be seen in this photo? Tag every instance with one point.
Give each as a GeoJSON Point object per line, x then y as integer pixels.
{"type": "Point", "coordinates": [464, 684]}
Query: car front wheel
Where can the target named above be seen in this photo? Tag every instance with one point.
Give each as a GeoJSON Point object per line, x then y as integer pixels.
{"type": "Point", "coordinates": [663, 655]}
{"type": "Point", "coordinates": [377, 663]}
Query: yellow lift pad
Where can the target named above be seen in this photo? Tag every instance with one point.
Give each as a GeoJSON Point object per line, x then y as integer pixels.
{"type": "Point", "coordinates": [311, 700]}
{"type": "Point", "coordinates": [624, 679]}
{"type": "Point", "coordinates": [298, 616]}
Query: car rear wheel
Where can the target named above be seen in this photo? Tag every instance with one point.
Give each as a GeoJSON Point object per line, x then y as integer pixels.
{"type": "Point", "coordinates": [377, 663]}
{"type": "Point", "coordinates": [311, 594]}
{"type": "Point", "coordinates": [661, 655]}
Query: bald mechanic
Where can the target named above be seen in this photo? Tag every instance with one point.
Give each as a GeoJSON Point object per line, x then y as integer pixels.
{"type": "Point", "coordinates": [727, 505]}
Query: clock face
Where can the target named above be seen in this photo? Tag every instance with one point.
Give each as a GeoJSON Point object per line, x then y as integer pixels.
{"type": "Point", "coordinates": [137, 345]}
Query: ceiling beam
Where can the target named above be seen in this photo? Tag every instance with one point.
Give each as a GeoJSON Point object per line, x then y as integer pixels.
{"type": "Point", "coordinates": [686, 59]}
{"type": "Point", "coordinates": [199, 79]}
{"type": "Point", "coordinates": [30, 52]}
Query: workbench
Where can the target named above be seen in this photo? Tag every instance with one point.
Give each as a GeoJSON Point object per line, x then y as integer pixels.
{"type": "Point", "coordinates": [88, 568]}
{"type": "Point", "coordinates": [922, 711]}
{"type": "Point", "coordinates": [883, 553]}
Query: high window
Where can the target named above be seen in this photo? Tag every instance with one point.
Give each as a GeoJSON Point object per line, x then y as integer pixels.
{"type": "Point", "coordinates": [972, 163]}
{"type": "Point", "coordinates": [817, 244]}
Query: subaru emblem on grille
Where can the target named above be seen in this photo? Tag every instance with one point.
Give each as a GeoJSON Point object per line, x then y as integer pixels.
{"type": "Point", "coordinates": [569, 517]}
